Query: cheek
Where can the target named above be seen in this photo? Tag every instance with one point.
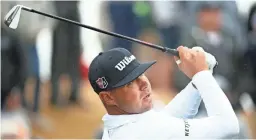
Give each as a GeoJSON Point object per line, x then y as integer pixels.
{"type": "Point", "coordinates": [131, 99]}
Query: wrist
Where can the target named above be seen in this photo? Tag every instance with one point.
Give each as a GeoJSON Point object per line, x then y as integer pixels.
{"type": "Point", "coordinates": [200, 73]}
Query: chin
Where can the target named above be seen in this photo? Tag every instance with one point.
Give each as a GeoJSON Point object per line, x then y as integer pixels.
{"type": "Point", "coordinates": [145, 110]}
{"type": "Point", "coordinates": [149, 106]}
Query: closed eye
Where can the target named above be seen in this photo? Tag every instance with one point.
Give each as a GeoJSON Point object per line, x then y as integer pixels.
{"type": "Point", "coordinates": [130, 83]}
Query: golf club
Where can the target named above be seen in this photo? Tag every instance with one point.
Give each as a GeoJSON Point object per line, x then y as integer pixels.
{"type": "Point", "coordinates": [13, 16]}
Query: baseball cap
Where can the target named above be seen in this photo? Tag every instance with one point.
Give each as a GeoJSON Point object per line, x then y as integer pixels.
{"type": "Point", "coordinates": [115, 68]}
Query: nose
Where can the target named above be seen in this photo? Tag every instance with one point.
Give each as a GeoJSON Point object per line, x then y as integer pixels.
{"type": "Point", "coordinates": [142, 80]}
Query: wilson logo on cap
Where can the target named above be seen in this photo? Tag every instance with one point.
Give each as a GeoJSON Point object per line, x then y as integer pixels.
{"type": "Point", "coordinates": [125, 62]}
{"type": "Point", "coordinates": [102, 82]}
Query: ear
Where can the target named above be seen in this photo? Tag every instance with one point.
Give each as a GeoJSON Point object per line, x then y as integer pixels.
{"type": "Point", "coordinates": [107, 98]}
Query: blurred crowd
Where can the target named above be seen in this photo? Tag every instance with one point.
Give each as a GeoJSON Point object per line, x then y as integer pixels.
{"type": "Point", "coordinates": [52, 50]}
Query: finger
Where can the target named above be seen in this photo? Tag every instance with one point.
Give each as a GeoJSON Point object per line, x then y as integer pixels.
{"type": "Point", "coordinates": [185, 53]}
{"type": "Point", "coordinates": [177, 60]}
{"type": "Point", "coordinates": [179, 48]}
{"type": "Point", "coordinates": [194, 52]}
{"type": "Point", "coordinates": [182, 51]}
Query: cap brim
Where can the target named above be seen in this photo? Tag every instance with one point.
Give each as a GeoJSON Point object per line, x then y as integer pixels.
{"type": "Point", "coordinates": [134, 74]}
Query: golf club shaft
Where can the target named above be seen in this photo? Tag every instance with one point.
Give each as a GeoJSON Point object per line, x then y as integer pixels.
{"type": "Point", "coordinates": [164, 49]}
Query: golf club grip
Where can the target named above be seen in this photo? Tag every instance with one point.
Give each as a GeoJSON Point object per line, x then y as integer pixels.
{"type": "Point", "coordinates": [173, 52]}
{"type": "Point", "coordinates": [164, 49]}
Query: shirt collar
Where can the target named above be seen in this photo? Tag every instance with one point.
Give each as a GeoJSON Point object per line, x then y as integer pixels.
{"type": "Point", "coordinates": [113, 121]}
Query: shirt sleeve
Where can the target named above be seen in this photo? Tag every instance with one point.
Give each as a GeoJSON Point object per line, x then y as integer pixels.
{"type": "Point", "coordinates": [220, 123]}
{"type": "Point", "coordinates": [185, 104]}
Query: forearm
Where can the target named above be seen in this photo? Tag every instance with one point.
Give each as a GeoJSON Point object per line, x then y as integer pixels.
{"type": "Point", "coordinates": [185, 104]}
{"type": "Point", "coordinates": [216, 102]}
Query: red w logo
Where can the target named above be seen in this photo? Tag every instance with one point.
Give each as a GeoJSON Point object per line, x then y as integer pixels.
{"type": "Point", "coordinates": [102, 82]}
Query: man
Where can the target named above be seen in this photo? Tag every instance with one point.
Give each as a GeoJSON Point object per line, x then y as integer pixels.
{"type": "Point", "coordinates": [14, 120]}
{"type": "Point", "coordinates": [126, 93]}
{"type": "Point", "coordinates": [66, 53]}
{"type": "Point", "coordinates": [13, 64]}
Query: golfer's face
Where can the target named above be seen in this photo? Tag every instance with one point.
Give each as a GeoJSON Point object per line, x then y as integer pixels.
{"type": "Point", "coordinates": [135, 97]}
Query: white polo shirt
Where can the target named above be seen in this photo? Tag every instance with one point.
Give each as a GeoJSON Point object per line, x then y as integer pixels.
{"type": "Point", "coordinates": [175, 120]}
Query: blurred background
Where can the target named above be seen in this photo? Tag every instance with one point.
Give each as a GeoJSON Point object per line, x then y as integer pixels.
{"type": "Point", "coordinates": [45, 91]}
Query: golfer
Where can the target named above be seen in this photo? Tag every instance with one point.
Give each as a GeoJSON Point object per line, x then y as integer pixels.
{"type": "Point", "coordinates": [117, 77]}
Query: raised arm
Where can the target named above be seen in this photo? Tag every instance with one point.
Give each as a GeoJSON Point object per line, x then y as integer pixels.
{"type": "Point", "coordinates": [222, 121]}
{"type": "Point", "coordinates": [185, 104]}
